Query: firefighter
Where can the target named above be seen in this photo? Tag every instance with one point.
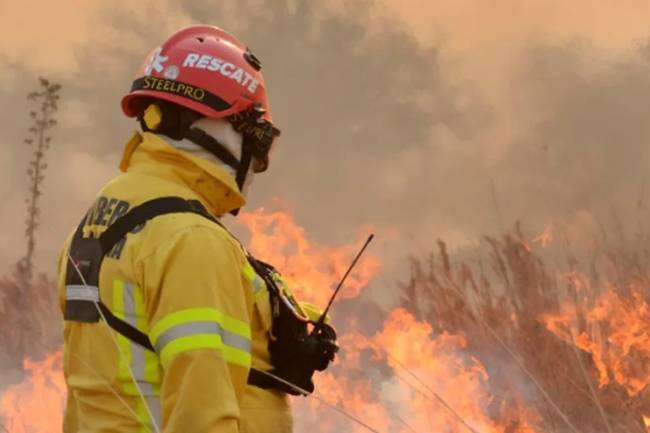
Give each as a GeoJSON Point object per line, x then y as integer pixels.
{"type": "Point", "coordinates": [168, 319]}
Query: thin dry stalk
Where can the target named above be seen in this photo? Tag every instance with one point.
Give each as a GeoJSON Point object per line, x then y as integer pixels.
{"type": "Point", "coordinates": [585, 375]}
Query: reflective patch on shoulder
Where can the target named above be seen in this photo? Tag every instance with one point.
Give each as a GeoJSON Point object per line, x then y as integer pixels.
{"type": "Point", "coordinates": [252, 277]}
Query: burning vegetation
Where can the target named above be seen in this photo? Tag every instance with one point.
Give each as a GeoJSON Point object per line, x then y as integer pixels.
{"type": "Point", "coordinates": [503, 340]}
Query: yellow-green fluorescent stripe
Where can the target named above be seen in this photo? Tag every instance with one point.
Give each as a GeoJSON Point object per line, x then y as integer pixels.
{"type": "Point", "coordinates": [228, 323]}
{"type": "Point", "coordinates": [204, 341]}
{"type": "Point", "coordinates": [123, 343]}
{"type": "Point", "coordinates": [151, 373]}
{"type": "Point", "coordinates": [259, 286]}
{"type": "Point", "coordinates": [248, 272]}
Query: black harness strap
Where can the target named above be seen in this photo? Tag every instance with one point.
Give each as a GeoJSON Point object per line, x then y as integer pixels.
{"type": "Point", "coordinates": [146, 211]}
{"type": "Point", "coordinates": [125, 224]}
{"type": "Point", "coordinates": [115, 233]}
{"type": "Point", "coordinates": [261, 380]}
{"type": "Point", "coordinates": [124, 329]}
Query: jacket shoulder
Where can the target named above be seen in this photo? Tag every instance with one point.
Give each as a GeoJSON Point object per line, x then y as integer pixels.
{"type": "Point", "coordinates": [188, 226]}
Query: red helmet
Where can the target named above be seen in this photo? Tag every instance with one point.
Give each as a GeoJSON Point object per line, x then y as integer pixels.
{"type": "Point", "coordinates": [202, 68]}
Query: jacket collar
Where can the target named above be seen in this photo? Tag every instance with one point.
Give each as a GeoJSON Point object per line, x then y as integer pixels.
{"type": "Point", "coordinates": [151, 154]}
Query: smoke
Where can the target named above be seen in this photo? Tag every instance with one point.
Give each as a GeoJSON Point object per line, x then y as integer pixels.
{"type": "Point", "coordinates": [423, 121]}
{"type": "Point", "coordinates": [589, 134]}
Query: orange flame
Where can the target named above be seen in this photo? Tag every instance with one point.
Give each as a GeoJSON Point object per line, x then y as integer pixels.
{"type": "Point", "coordinates": [311, 270]}
{"type": "Point", "coordinates": [617, 335]}
{"type": "Point", "coordinates": [546, 237]}
{"type": "Point", "coordinates": [373, 378]}
{"type": "Point", "coordinates": [36, 405]}
{"type": "Point", "coordinates": [402, 399]}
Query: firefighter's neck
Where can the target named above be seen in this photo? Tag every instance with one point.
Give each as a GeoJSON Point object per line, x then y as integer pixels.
{"type": "Point", "coordinates": [224, 133]}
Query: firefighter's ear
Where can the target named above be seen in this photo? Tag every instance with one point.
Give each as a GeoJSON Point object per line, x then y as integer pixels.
{"type": "Point", "coordinates": [152, 117]}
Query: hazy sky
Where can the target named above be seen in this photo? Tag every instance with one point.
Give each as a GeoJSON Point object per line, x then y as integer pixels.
{"type": "Point", "coordinates": [424, 119]}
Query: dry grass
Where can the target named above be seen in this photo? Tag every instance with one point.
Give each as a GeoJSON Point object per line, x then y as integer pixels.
{"type": "Point", "coordinates": [496, 297]}
{"type": "Point", "coordinates": [30, 323]}
{"type": "Point", "coordinates": [497, 300]}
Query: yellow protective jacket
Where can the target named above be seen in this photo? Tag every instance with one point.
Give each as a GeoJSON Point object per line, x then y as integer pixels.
{"type": "Point", "coordinates": [185, 282]}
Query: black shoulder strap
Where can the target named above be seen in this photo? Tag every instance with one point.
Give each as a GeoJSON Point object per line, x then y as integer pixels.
{"type": "Point", "coordinates": [146, 211]}
{"type": "Point", "coordinates": [125, 224]}
{"type": "Point", "coordinates": [124, 329]}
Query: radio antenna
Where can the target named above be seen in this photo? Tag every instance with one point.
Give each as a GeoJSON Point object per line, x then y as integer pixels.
{"type": "Point", "coordinates": [321, 320]}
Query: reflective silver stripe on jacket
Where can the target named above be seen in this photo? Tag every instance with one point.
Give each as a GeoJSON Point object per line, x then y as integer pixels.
{"type": "Point", "coordinates": [258, 284]}
{"type": "Point", "coordinates": [138, 361]}
{"type": "Point", "coordinates": [76, 292]}
{"type": "Point", "coordinates": [256, 281]}
{"type": "Point", "coordinates": [202, 328]}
